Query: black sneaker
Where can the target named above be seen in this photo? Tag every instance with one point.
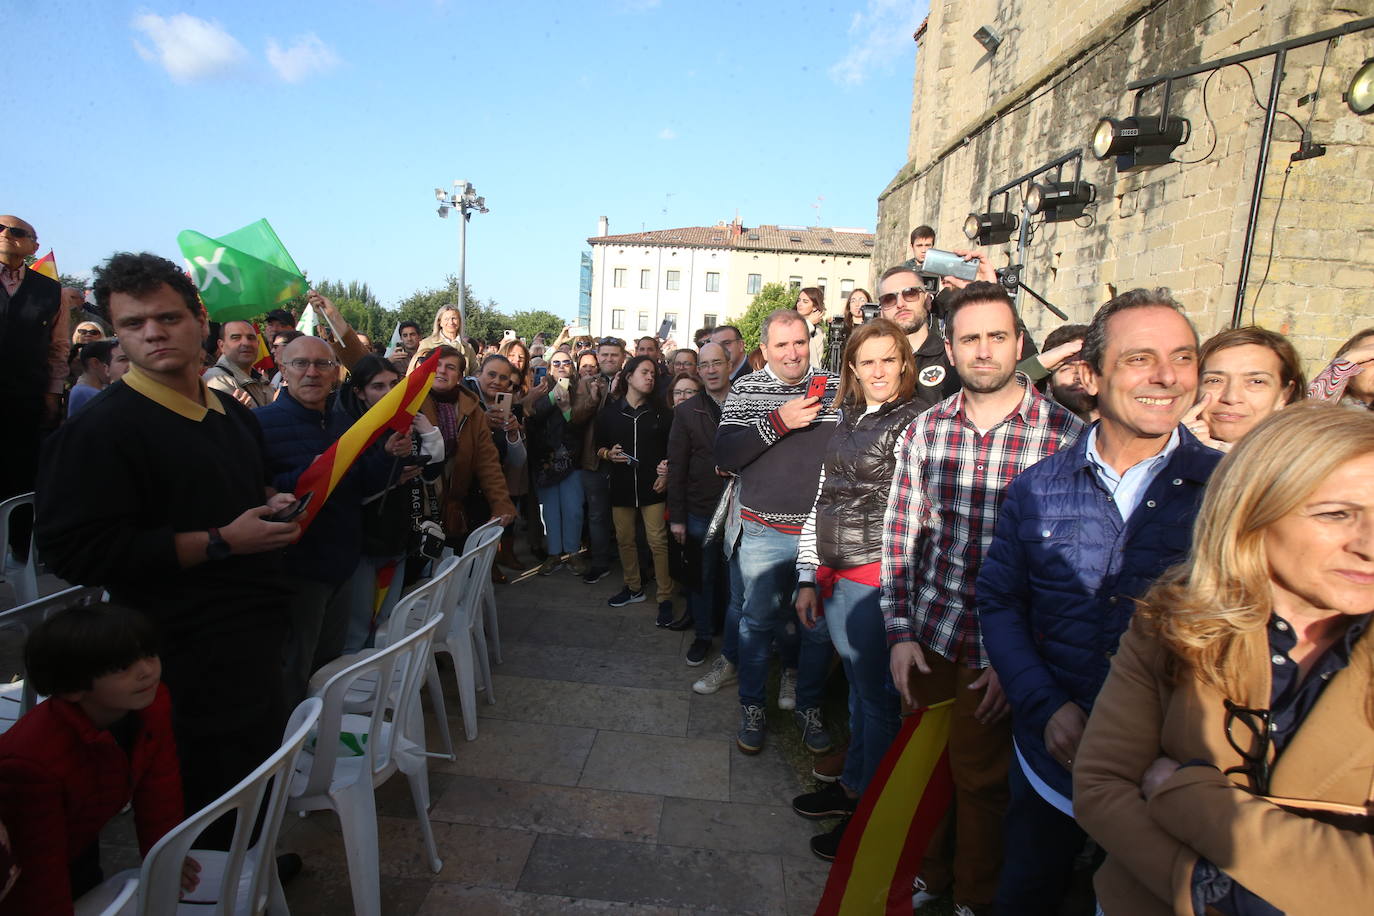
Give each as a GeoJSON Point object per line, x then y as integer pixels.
{"type": "Point", "coordinates": [624, 597]}
{"type": "Point", "coordinates": [826, 845]}
{"type": "Point", "coordinates": [665, 614]}
{"type": "Point", "coordinates": [595, 575]}
{"type": "Point", "coordinates": [697, 651]}
{"type": "Point", "coordinates": [829, 801]}
{"type": "Point", "coordinates": [685, 622]}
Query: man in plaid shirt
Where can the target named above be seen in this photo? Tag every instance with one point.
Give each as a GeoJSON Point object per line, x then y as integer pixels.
{"type": "Point", "coordinates": [953, 465]}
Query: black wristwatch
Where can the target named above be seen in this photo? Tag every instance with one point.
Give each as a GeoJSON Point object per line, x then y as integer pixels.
{"type": "Point", "coordinates": [218, 548]}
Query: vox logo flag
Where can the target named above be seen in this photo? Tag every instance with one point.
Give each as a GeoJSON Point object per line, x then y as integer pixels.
{"type": "Point", "coordinates": [242, 274]}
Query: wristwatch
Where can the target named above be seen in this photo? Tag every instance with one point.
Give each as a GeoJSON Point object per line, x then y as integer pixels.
{"type": "Point", "coordinates": [218, 548]}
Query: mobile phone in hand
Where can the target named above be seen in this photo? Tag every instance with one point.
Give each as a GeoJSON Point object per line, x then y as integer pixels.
{"type": "Point", "coordinates": [540, 373]}
{"type": "Point", "coordinates": [503, 400]}
{"type": "Point", "coordinates": [293, 511]}
{"type": "Point", "coordinates": [817, 387]}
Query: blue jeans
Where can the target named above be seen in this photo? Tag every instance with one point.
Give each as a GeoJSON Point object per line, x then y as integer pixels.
{"type": "Point", "coordinates": [702, 600]}
{"type": "Point", "coordinates": [768, 566]}
{"type": "Point", "coordinates": [855, 621]}
{"type": "Point", "coordinates": [597, 487]}
{"type": "Point", "coordinates": [362, 593]}
{"type": "Point", "coordinates": [560, 507]}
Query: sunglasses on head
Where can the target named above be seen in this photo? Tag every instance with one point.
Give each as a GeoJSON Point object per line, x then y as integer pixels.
{"type": "Point", "coordinates": [910, 294]}
{"type": "Point", "coordinates": [16, 232]}
{"type": "Point", "coordinates": [610, 342]}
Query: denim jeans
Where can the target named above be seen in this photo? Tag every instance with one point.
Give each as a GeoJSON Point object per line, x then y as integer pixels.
{"type": "Point", "coordinates": [560, 507]}
{"type": "Point", "coordinates": [702, 601]}
{"type": "Point", "coordinates": [855, 621]}
{"type": "Point", "coordinates": [597, 487]}
{"type": "Point", "coordinates": [362, 594]}
{"type": "Point", "coordinates": [768, 566]}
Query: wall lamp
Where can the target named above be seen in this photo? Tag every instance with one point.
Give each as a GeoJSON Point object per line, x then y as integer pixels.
{"type": "Point", "coordinates": [988, 38]}
{"type": "Point", "coordinates": [1360, 95]}
{"type": "Point", "coordinates": [1139, 143]}
{"type": "Point", "coordinates": [991, 228]}
{"type": "Point", "coordinates": [1058, 200]}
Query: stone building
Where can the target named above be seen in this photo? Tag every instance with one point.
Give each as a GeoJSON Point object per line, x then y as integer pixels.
{"type": "Point", "coordinates": [981, 118]}
{"type": "Point", "coordinates": [702, 276]}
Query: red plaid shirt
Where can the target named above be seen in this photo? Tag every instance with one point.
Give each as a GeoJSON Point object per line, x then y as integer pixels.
{"type": "Point", "coordinates": [942, 511]}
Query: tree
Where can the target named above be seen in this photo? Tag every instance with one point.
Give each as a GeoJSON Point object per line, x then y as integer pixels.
{"type": "Point", "coordinates": [361, 308]}
{"type": "Point", "coordinates": [526, 324]}
{"type": "Point", "coordinates": [773, 296]}
{"type": "Point", "coordinates": [485, 321]}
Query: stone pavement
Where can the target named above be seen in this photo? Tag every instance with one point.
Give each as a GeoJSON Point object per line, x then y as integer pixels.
{"type": "Point", "coordinates": [598, 782]}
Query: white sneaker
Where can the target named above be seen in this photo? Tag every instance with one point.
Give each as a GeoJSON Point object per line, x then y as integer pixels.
{"type": "Point", "coordinates": [787, 689]}
{"type": "Point", "coordinates": [962, 910]}
{"type": "Point", "coordinates": [920, 896]}
{"type": "Point", "coordinates": [721, 673]}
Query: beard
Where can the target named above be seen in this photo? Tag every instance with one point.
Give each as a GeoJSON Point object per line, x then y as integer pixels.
{"type": "Point", "coordinates": [984, 384]}
{"type": "Point", "coordinates": [1075, 398]}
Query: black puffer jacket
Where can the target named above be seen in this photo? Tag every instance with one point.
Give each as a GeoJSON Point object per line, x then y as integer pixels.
{"type": "Point", "coordinates": [859, 464]}
{"type": "Point", "coordinates": [642, 432]}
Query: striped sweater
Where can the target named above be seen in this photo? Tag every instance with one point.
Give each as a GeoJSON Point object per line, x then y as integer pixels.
{"type": "Point", "coordinates": [778, 467]}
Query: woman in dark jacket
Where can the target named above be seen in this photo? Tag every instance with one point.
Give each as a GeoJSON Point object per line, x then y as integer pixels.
{"type": "Point", "coordinates": [554, 442]}
{"type": "Point", "coordinates": [841, 550]}
{"type": "Point", "coordinates": [632, 433]}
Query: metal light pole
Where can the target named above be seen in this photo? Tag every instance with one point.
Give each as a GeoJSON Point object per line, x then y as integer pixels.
{"type": "Point", "coordinates": [464, 199]}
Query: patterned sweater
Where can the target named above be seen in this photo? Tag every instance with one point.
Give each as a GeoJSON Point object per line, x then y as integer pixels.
{"type": "Point", "coordinates": [778, 467]}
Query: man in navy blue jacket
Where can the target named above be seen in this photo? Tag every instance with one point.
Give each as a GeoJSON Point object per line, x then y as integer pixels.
{"type": "Point", "coordinates": [298, 427]}
{"type": "Point", "coordinates": [1080, 536]}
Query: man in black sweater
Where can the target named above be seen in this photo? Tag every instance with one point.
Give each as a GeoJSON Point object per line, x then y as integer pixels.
{"type": "Point", "coordinates": [179, 529]}
{"type": "Point", "coordinates": [773, 435]}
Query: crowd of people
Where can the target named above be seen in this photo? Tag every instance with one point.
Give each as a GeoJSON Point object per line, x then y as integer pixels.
{"type": "Point", "coordinates": [1156, 651]}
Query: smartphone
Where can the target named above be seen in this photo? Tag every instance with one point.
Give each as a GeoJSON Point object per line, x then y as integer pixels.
{"type": "Point", "coordinates": [291, 512]}
{"type": "Point", "coordinates": [509, 335]}
{"type": "Point", "coordinates": [947, 263]}
{"type": "Point", "coordinates": [540, 373]}
{"type": "Point", "coordinates": [817, 387]}
{"type": "Point", "coordinates": [503, 400]}
{"type": "Point", "coordinates": [665, 329]}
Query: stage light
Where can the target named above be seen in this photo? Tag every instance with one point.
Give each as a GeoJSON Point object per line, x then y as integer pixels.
{"type": "Point", "coordinates": [1138, 142]}
{"type": "Point", "coordinates": [1060, 200]}
{"type": "Point", "coordinates": [988, 38]}
{"type": "Point", "coordinates": [990, 228]}
{"type": "Point", "coordinates": [1360, 95]}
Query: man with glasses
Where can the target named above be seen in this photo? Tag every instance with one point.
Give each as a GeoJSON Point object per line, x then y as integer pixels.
{"type": "Point", "coordinates": [729, 337]}
{"type": "Point", "coordinates": [298, 427]}
{"type": "Point", "coordinates": [33, 364]}
{"type": "Point", "coordinates": [593, 392]}
{"type": "Point", "coordinates": [904, 300]}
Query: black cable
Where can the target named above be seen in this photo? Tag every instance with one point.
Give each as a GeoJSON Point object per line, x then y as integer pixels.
{"type": "Point", "coordinates": [1210, 123]}
{"type": "Point", "coordinates": [1316, 93]}
{"type": "Point", "coordinates": [1260, 105]}
{"type": "Point", "coordinates": [1273, 229]}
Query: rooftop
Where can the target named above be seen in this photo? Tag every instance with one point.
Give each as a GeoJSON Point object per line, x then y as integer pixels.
{"type": "Point", "coordinates": [810, 240]}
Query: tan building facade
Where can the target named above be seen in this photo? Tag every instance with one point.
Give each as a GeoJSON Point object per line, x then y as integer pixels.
{"type": "Point", "coordinates": [981, 118]}
{"type": "Point", "coordinates": [703, 276]}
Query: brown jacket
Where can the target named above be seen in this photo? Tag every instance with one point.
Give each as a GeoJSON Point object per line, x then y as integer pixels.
{"type": "Point", "coordinates": [1294, 862]}
{"type": "Point", "coordinates": [586, 405]}
{"type": "Point", "coordinates": [474, 456]}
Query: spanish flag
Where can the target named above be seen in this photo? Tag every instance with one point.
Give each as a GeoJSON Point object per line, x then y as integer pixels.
{"type": "Point", "coordinates": [264, 362]}
{"type": "Point", "coordinates": [46, 265]}
{"type": "Point", "coordinates": [886, 839]}
{"type": "Point", "coordinates": [396, 411]}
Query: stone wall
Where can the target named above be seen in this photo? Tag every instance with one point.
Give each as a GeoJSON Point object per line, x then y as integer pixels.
{"type": "Point", "coordinates": [979, 120]}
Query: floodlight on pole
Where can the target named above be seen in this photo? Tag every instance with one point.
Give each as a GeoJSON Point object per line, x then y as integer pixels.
{"type": "Point", "coordinates": [465, 200]}
{"type": "Point", "coordinates": [1360, 95]}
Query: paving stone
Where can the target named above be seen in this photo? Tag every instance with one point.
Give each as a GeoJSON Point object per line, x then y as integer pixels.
{"type": "Point", "coordinates": [767, 829]}
{"type": "Point", "coordinates": [655, 875]}
{"type": "Point", "coordinates": [446, 899]}
{"type": "Point", "coordinates": [661, 712]}
{"type": "Point", "coordinates": [552, 754]}
{"type": "Point", "coordinates": [559, 627]}
{"type": "Point", "coordinates": [551, 809]}
{"type": "Point", "coordinates": [613, 667]}
{"type": "Point", "coordinates": [316, 892]}
{"type": "Point", "coordinates": [714, 715]}
{"type": "Point", "coordinates": [803, 883]}
{"type": "Point", "coordinates": [658, 765]}
{"type": "Point", "coordinates": [764, 779]}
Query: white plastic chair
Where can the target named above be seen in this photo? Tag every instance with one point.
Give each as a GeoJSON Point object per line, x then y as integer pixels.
{"type": "Point", "coordinates": [242, 881]}
{"type": "Point", "coordinates": [327, 779]}
{"type": "Point", "coordinates": [488, 589]}
{"type": "Point", "coordinates": [25, 579]}
{"type": "Point", "coordinates": [18, 697]}
{"type": "Point", "coordinates": [462, 635]}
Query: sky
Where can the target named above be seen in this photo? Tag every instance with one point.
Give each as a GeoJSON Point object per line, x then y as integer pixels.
{"type": "Point", "coordinates": [336, 122]}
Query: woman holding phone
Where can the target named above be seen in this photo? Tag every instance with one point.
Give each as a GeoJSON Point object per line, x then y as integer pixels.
{"type": "Point", "coordinates": [554, 442]}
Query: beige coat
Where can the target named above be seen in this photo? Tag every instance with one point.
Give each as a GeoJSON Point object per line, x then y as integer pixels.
{"type": "Point", "coordinates": [1295, 862]}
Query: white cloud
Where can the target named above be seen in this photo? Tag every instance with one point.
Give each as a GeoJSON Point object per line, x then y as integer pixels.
{"type": "Point", "coordinates": [188, 48]}
{"type": "Point", "coordinates": [307, 57]}
{"type": "Point", "coordinates": [667, 133]}
{"type": "Point", "coordinates": [879, 36]}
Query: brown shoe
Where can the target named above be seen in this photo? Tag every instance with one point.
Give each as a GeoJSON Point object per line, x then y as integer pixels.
{"type": "Point", "coordinates": [829, 767]}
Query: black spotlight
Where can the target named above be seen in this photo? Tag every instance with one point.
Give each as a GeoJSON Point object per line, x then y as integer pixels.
{"type": "Point", "coordinates": [990, 228]}
{"type": "Point", "coordinates": [1060, 200]}
{"type": "Point", "coordinates": [1360, 95]}
{"type": "Point", "coordinates": [1138, 142]}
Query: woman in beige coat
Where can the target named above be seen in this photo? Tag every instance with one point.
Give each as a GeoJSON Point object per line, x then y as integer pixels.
{"type": "Point", "coordinates": [1229, 760]}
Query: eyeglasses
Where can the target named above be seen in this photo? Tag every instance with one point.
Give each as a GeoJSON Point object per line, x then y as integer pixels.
{"type": "Point", "coordinates": [561, 362]}
{"type": "Point", "coordinates": [88, 332]}
{"type": "Point", "coordinates": [888, 301]}
{"type": "Point", "coordinates": [301, 364]}
{"type": "Point", "coordinates": [1256, 765]}
{"type": "Point", "coordinates": [709, 364]}
{"type": "Point", "coordinates": [684, 392]}
{"type": "Point", "coordinates": [16, 232]}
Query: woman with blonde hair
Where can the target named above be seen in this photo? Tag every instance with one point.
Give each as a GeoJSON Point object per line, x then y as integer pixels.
{"type": "Point", "coordinates": [448, 332]}
{"type": "Point", "coordinates": [1227, 763]}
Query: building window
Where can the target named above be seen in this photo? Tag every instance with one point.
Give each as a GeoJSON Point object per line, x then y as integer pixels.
{"type": "Point", "coordinates": [618, 279]}
{"type": "Point", "coordinates": [644, 321]}
{"type": "Point", "coordinates": [617, 319]}
{"type": "Point", "coordinates": [755, 284]}
{"type": "Point", "coordinates": [671, 318]}
{"type": "Point", "coordinates": [820, 283]}
{"type": "Point", "coordinates": [673, 281]}
{"type": "Point", "coordinates": [708, 321]}
{"type": "Point", "coordinates": [846, 287]}
{"type": "Point", "coordinates": [644, 280]}
{"type": "Point", "coordinates": [712, 282]}
{"type": "Point", "coordinates": [794, 283]}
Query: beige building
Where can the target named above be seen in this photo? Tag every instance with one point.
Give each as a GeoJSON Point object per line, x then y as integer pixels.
{"type": "Point", "coordinates": [981, 118]}
{"type": "Point", "coordinates": [702, 276]}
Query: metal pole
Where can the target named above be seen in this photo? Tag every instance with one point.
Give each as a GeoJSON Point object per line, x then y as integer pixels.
{"type": "Point", "coordinates": [1266, 134]}
{"type": "Point", "coordinates": [463, 264]}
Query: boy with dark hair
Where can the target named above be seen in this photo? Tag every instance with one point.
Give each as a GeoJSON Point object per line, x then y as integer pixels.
{"type": "Point", "coordinates": [101, 739]}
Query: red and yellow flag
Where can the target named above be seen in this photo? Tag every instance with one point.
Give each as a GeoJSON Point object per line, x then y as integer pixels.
{"type": "Point", "coordinates": [396, 411]}
{"type": "Point", "coordinates": [386, 574]}
{"type": "Point", "coordinates": [46, 265]}
{"type": "Point", "coordinates": [264, 362]}
{"type": "Point", "coordinates": [886, 839]}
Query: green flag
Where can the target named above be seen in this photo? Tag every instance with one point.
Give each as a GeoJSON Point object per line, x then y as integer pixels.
{"type": "Point", "coordinates": [242, 274]}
